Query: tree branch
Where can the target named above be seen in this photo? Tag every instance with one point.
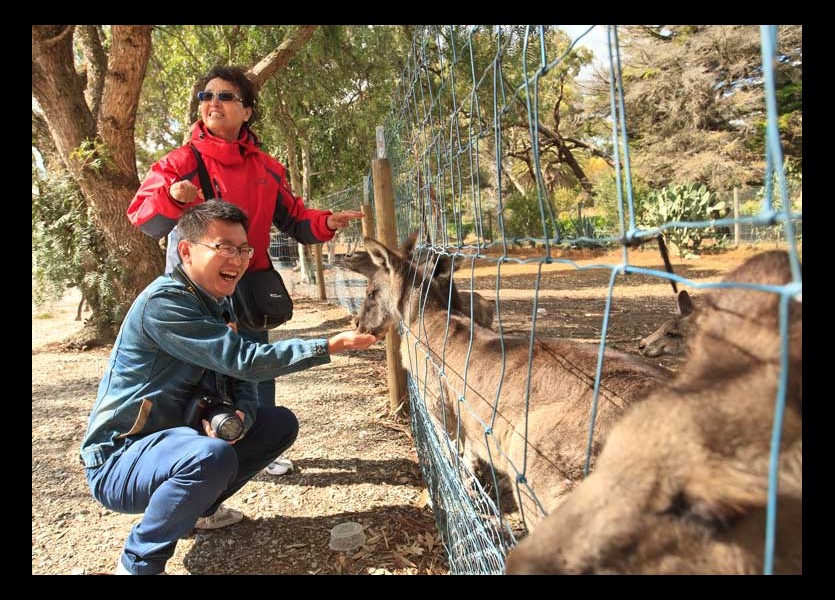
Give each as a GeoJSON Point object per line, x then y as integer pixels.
{"type": "Point", "coordinates": [88, 36]}
{"type": "Point", "coordinates": [592, 149]}
{"type": "Point", "coordinates": [56, 88]}
{"type": "Point", "coordinates": [279, 57]}
{"type": "Point", "coordinates": [130, 49]}
{"type": "Point", "coordinates": [43, 142]}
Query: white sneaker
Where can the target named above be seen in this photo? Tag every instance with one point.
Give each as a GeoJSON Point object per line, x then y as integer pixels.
{"type": "Point", "coordinates": [121, 570]}
{"type": "Point", "coordinates": [280, 466]}
{"type": "Point", "coordinates": [222, 517]}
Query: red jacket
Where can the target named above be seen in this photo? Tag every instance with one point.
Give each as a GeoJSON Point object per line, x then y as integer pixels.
{"type": "Point", "coordinates": [240, 173]}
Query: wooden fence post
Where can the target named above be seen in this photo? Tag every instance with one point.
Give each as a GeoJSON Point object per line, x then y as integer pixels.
{"type": "Point", "coordinates": [320, 271]}
{"type": "Point", "coordinates": [387, 234]}
{"type": "Point", "coordinates": [368, 226]}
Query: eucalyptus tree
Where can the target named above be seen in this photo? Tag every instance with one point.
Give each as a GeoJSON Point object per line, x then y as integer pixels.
{"type": "Point", "coordinates": [90, 115]}
{"type": "Point", "coordinates": [695, 109]}
{"type": "Point", "coordinates": [493, 97]}
{"type": "Point", "coordinates": [86, 89]}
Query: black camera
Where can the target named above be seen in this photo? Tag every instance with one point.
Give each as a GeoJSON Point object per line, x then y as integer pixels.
{"type": "Point", "coordinates": [219, 411]}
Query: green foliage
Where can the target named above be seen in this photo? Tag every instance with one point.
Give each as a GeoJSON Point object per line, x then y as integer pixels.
{"type": "Point", "coordinates": [66, 245]}
{"type": "Point", "coordinates": [606, 199]}
{"type": "Point", "coordinates": [790, 97]}
{"type": "Point", "coordinates": [689, 202]}
{"type": "Point", "coordinates": [522, 217]}
{"type": "Point", "coordinates": [459, 232]}
{"type": "Point", "coordinates": [336, 90]}
{"type": "Point", "coordinates": [592, 227]}
{"type": "Point", "coordinates": [92, 154]}
{"type": "Point", "coordinates": [565, 198]}
{"type": "Point", "coordinates": [483, 77]}
{"type": "Point", "coordinates": [699, 117]}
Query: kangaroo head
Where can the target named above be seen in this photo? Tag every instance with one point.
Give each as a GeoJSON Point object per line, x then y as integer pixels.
{"type": "Point", "coordinates": [396, 287]}
{"type": "Point", "coordinates": [671, 336]}
{"type": "Point", "coordinates": [386, 272]}
{"type": "Point", "coordinates": [441, 268]}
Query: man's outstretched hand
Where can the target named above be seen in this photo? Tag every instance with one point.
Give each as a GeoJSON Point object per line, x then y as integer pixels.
{"type": "Point", "coordinates": [350, 340]}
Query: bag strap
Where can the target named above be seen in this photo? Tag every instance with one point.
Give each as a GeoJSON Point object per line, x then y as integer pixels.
{"type": "Point", "coordinates": [203, 173]}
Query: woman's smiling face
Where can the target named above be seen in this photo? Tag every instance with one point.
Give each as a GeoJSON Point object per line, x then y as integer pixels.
{"type": "Point", "coordinates": [224, 119]}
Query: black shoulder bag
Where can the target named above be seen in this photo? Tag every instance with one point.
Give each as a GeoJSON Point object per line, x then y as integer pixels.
{"type": "Point", "coordinates": [261, 300]}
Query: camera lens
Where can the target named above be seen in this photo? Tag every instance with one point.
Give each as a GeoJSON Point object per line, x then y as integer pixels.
{"type": "Point", "coordinates": [227, 425]}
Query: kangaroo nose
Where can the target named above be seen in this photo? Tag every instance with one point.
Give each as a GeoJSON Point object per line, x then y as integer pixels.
{"type": "Point", "coordinates": [641, 345]}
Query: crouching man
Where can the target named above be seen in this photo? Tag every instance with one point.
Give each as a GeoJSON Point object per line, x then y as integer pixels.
{"type": "Point", "coordinates": [141, 456]}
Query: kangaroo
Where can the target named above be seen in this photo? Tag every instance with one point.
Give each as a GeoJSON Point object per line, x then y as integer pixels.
{"type": "Point", "coordinates": [545, 441]}
{"type": "Point", "coordinates": [680, 485]}
{"type": "Point", "coordinates": [483, 309]}
{"type": "Point", "coordinates": [671, 337]}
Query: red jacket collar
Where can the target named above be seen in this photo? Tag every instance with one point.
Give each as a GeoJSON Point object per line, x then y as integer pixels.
{"type": "Point", "coordinates": [227, 153]}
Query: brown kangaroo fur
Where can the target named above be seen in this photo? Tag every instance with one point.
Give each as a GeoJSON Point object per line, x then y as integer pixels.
{"type": "Point", "coordinates": [561, 382]}
{"type": "Point", "coordinates": [483, 309]}
{"type": "Point", "coordinates": [681, 483]}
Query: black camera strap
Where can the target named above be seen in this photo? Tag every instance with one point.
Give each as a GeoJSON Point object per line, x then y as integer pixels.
{"type": "Point", "coordinates": [180, 275]}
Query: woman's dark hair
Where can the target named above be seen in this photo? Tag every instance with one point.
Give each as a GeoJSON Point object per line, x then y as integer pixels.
{"type": "Point", "coordinates": [236, 76]}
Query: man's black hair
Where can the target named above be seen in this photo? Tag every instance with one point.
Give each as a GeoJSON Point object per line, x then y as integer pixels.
{"type": "Point", "coordinates": [195, 221]}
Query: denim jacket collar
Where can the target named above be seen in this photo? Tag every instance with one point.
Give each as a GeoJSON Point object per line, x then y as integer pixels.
{"type": "Point", "coordinates": [212, 305]}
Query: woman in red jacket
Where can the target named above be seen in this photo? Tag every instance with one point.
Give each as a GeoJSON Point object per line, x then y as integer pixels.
{"type": "Point", "coordinates": [240, 173]}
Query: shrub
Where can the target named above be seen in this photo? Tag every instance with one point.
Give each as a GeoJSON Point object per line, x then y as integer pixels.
{"type": "Point", "coordinates": [687, 202]}
{"type": "Point", "coordinates": [522, 217]}
{"type": "Point", "coordinates": [606, 199]}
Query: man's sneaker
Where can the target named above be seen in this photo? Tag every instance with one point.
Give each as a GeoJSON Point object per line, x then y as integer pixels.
{"type": "Point", "coordinates": [121, 570]}
{"type": "Point", "coordinates": [280, 466]}
{"type": "Point", "coordinates": [223, 517]}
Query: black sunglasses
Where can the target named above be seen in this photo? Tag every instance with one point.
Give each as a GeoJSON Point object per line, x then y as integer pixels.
{"type": "Point", "coordinates": [222, 96]}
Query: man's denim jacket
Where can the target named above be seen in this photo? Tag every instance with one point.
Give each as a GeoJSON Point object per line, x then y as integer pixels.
{"type": "Point", "coordinates": [172, 333]}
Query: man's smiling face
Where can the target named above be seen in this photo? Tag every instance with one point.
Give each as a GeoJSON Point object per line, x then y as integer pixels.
{"type": "Point", "coordinates": [207, 267]}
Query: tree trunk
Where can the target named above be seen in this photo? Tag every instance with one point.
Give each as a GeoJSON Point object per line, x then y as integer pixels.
{"type": "Point", "coordinates": [96, 66]}
{"type": "Point", "coordinates": [100, 155]}
{"type": "Point", "coordinates": [306, 170]}
{"type": "Point", "coordinates": [291, 132]}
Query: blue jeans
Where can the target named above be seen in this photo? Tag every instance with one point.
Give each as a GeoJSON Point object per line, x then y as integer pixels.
{"type": "Point", "coordinates": [176, 476]}
{"type": "Point", "coordinates": [266, 388]}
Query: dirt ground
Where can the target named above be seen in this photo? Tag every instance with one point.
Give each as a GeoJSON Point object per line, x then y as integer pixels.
{"type": "Point", "coordinates": [354, 462]}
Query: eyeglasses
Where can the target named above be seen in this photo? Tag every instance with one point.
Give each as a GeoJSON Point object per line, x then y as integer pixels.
{"type": "Point", "coordinates": [222, 96]}
{"type": "Point", "coordinates": [230, 250]}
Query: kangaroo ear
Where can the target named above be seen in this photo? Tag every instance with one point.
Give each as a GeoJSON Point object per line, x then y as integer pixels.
{"type": "Point", "coordinates": [408, 246]}
{"type": "Point", "coordinates": [382, 257]}
{"type": "Point", "coordinates": [685, 304]}
{"type": "Point", "coordinates": [443, 268]}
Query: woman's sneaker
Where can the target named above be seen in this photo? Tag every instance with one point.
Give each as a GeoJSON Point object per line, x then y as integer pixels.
{"type": "Point", "coordinates": [222, 517]}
